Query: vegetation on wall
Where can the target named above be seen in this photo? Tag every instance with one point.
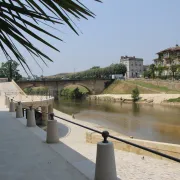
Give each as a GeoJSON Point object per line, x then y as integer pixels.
{"type": "Point", "coordinates": [36, 90]}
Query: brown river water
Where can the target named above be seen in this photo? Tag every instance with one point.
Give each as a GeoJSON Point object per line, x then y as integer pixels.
{"type": "Point", "coordinates": [143, 121]}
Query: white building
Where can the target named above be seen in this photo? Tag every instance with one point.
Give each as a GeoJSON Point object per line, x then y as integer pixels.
{"type": "Point", "coordinates": [134, 66]}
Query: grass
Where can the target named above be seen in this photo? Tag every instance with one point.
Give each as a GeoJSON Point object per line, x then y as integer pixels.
{"type": "Point", "coordinates": [174, 100]}
{"type": "Point", "coordinates": [160, 89]}
{"type": "Point", "coordinates": [123, 87]}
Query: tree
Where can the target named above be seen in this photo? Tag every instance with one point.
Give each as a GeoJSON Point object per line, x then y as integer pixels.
{"type": "Point", "coordinates": [152, 69]}
{"type": "Point", "coordinates": [95, 67]}
{"type": "Point", "coordinates": [22, 18]}
{"type": "Point", "coordinates": [147, 74]}
{"type": "Point", "coordinates": [173, 69]}
{"type": "Point", "coordinates": [98, 72]}
{"type": "Point", "coordinates": [10, 70]}
{"type": "Point", "coordinates": [160, 69]}
{"type": "Point", "coordinates": [121, 69]}
{"type": "Point", "coordinates": [135, 94]}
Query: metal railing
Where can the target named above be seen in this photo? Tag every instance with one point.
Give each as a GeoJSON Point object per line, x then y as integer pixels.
{"type": "Point", "coordinates": [106, 134]}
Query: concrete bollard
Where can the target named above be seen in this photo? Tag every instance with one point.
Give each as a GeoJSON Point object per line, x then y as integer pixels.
{"type": "Point", "coordinates": [8, 102]}
{"type": "Point", "coordinates": [5, 100]}
{"type": "Point", "coordinates": [12, 106]}
{"type": "Point", "coordinates": [19, 113]}
{"type": "Point", "coordinates": [52, 130]}
{"type": "Point", "coordinates": [31, 122]}
{"type": "Point", "coordinates": [105, 160]}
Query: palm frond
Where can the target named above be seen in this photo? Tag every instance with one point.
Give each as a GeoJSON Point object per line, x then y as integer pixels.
{"type": "Point", "coordinates": [17, 18]}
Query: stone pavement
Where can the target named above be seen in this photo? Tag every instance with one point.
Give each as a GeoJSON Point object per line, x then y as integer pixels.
{"type": "Point", "coordinates": [24, 156]}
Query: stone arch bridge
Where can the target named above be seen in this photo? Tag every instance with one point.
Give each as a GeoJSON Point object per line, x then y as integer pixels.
{"type": "Point", "coordinates": [95, 86]}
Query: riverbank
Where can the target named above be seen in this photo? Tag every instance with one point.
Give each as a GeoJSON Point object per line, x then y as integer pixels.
{"type": "Point", "coordinates": [129, 165]}
{"type": "Point", "coordinates": [144, 98]}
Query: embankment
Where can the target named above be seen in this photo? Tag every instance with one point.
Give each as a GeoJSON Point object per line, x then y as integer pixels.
{"type": "Point", "coordinates": [145, 98]}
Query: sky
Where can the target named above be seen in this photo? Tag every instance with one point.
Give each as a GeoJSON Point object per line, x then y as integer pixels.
{"type": "Point", "coordinates": [138, 28]}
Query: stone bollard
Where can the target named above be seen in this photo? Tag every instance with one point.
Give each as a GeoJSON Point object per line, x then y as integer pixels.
{"type": "Point", "coordinates": [31, 122]}
{"type": "Point", "coordinates": [8, 102]}
{"type": "Point", "coordinates": [19, 113]}
{"type": "Point", "coordinates": [52, 130]}
{"type": "Point", "coordinates": [105, 160]}
{"type": "Point", "coordinates": [12, 106]}
{"type": "Point", "coordinates": [5, 100]}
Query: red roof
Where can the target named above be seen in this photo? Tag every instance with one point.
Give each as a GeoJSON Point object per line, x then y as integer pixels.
{"type": "Point", "coordinates": [177, 48]}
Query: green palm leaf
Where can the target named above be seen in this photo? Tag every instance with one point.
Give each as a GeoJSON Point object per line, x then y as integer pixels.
{"type": "Point", "coordinates": [17, 18]}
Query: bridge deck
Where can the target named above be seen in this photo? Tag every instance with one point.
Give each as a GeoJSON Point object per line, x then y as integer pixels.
{"type": "Point", "coordinates": [24, 156]}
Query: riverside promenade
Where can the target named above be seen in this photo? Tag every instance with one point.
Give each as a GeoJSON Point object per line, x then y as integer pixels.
{"type": "Point", "coordinates": [24, 154]}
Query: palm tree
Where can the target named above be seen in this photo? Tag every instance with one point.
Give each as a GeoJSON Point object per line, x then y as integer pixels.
{"type": "Point", "coordinates": [18, 19]}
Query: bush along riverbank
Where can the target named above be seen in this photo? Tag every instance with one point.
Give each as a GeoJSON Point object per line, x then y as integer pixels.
{"type": "Point", "coordinates": [74, 92]}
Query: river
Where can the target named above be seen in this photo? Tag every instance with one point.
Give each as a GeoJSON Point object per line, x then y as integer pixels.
{"type": "Point", "coordinates": [142, 121]}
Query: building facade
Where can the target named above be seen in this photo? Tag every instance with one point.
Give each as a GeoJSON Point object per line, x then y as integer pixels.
{"type": "Point", "coordinates": [134, 66]}
{"type": "Point", "coordinates": [167, 58]}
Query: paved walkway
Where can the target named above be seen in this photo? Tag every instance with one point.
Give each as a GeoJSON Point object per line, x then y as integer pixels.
{"type": "Point", "coordinates": [23, 156]}
{"type": "Point", "coordinates": [129, 166]}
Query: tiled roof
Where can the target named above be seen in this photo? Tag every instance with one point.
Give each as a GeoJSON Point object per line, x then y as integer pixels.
{"type": "Point", "coordinates": [177, 48]}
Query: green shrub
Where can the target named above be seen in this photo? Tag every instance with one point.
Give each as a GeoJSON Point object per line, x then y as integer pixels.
{"type": "Point", "coordinates": [174, 100]}
{"type": "Point", "coordinates": [135, 94]}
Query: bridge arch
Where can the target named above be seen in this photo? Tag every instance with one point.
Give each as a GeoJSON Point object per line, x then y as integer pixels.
{"type": "Point", "coordinates": [79, 84]}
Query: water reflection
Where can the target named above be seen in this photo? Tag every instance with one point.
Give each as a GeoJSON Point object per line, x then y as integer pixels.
{"type": "Point", "coordinates": [135, 109]}
{"type": "Point", "coordinates": [145, 121]}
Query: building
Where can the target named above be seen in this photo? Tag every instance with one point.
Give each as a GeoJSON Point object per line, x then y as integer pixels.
{"type": "Point", "coordinates": [168, 57]}
{"type": "Point", "coordinates": [134, 66]}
